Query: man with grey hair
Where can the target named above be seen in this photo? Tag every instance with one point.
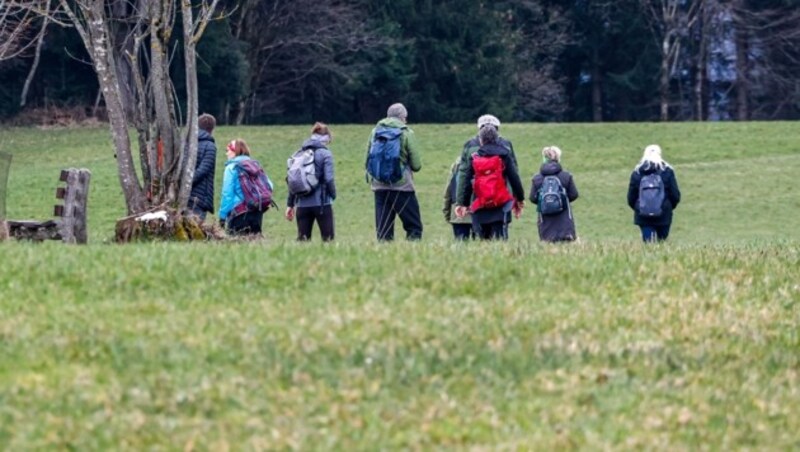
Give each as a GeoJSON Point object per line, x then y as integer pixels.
{"type": "Point", "coordinates": [392, 158]}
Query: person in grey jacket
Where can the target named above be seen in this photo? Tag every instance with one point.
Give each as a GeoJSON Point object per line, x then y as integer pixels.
{"type": "Point", "coordinates": [559, 227]}
{"type": "Point", "coordinates": [316, 206]}
{"type": "Point", "coordinates": [201, 199]}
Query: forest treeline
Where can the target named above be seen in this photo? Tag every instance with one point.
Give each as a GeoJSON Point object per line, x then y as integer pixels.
{"type": "Point", "coordinates": [344, 61]}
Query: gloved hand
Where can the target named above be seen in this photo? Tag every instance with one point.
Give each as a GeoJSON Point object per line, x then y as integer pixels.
{"type": "Point", "coordinates": [222, 223]}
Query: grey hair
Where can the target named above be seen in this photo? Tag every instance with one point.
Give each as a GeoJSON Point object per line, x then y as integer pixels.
{"type": "Point", "coordinates": [398, 111]}
{"type": "Point", "coordinates": [488, 135]}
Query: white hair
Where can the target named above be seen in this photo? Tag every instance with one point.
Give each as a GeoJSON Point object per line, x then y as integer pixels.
{"type": "Point", "coordinates": [552, 153]}
{"type": "Point", "coordinates": [488, 120]}
{"type": "Point", "coordinates": [652, 155]}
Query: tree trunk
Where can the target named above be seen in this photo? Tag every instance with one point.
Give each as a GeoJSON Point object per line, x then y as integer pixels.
{"type": "Point", "coordinates": [190, 141]}
{"type": "Point", "coordinates": [700, 74]}
{"type": "Point", "coordinates": [597, 87]}
{"type": "Point", "coordinates": [742, 72]}
{"type": "Point", "coordinates": [95, 37]}
{"type": "Point", "coordinates": [664, 79]}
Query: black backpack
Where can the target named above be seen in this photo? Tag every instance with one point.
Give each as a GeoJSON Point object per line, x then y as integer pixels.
{"type": "Point", "coordinates": [651, 195]}
{"type": "Point", "coordinates": [552, 196]}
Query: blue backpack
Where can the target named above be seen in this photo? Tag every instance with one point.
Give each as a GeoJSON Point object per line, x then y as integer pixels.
{"type": "Point", "coordinates": [383, 161]}
{"type": "Point", "coordinates": [651, 195]}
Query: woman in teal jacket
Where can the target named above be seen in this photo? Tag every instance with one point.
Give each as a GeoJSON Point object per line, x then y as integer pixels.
{"type": "Point", "coordinates": [247, 223]}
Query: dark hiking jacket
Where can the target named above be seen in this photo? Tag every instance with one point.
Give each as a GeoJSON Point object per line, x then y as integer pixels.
{"type": "Point", "coordinates": [561, 226]}
{"type": "Point", "coordinates": [672, 195]}
{"type": "Point", "coordinates": [510, 174]}
{"type": "Point", "coordinates": [202, 195]}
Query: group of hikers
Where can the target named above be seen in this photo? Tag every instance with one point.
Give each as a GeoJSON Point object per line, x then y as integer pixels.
{"type": "Point", "coordinates": [482, 195]}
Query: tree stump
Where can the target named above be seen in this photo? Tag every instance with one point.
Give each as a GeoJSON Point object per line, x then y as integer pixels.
{"type": "Point", "coordinates": [164, 223]}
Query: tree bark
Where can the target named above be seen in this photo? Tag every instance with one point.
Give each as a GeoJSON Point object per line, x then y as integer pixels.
{"type": "Point", "coordinates": [742, 69]}
{"type": "Point", "coordinates": [597, 87]}
{"type": "Point", "coordinates": [95, 37]}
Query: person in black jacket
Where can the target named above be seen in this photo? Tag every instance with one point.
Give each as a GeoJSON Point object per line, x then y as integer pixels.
{"type": "Point", "coordinates": [654, 228]}
{"type": "Point", "coordinates": [558, 227]}
{"type": "Point", "coordinates": [491, 222]}
{"type": "Point", "coordinates": [201, 199]}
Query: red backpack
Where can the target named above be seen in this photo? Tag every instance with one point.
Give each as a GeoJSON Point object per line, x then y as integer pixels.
{"type": "Point", "coordinates": [489, 185]}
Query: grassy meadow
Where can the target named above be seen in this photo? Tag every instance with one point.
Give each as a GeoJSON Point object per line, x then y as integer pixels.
{"type": "Point", "coordinates": [602, 344]}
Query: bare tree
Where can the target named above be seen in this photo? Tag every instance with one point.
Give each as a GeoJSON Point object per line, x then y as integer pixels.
{"type": "Point", "coordinates": [670, 22]}
{"type": "Point", "coordinates": [291, 49]}
{"type": "Point", "coordinates": [167, 144]}
{"type": "Point", "coordinates": [16, 23]}
{"type": "Point", "coordinates": [767, 43]}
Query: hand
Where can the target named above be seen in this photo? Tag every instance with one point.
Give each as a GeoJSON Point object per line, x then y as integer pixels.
{"type": "Point", "coordinates": [519, 206]}
{"type": "Point", "coordinates": [289, 213]}
{"type": "Point", "coordinates": [461, 211]}
{"type": "Point", "coordinates": [222, 223]}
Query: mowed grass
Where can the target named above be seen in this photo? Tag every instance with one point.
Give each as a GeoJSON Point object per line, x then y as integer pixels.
{"type": "Point", "coordinates": [272, 345]}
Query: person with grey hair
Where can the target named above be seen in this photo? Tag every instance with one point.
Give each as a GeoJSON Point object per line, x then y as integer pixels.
{"type": "Point", "coordinates": [653, 193]}
{"type": "Point", "coordinates": [553, 190]}
{"type": "Point", "coordinates": [491, 170]}
{"type": "Point", "coordinates": [201, 198]}
{"type": "Point", "coordinates": [392, 158]}
{"type": "Point", "coordinates": [472, 145]}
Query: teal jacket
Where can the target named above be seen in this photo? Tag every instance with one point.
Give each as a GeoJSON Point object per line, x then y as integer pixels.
{"type": "Point", "coordinates": [409, 154]}
{"type": "Point", "coordinates": [232, 194]}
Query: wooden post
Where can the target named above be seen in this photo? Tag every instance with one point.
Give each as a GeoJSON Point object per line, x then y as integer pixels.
{"type": "Point", "coordinates": [73, 214]}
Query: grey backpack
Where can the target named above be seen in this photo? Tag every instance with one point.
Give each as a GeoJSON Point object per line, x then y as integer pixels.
{"type": "Point", "coordinates": [301, 173]}
{"type": "Point", "coordinates": [651, 195]}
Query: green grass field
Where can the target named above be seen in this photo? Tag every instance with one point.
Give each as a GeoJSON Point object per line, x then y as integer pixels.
{"type": "Point", "coordinates": [602, 344]}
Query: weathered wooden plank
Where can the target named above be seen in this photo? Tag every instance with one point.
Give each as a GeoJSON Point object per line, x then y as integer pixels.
{"type": "Point", "coordinates": [34, 230]}
{"type": "Point", "coordinates": [73, 223]}
{"type": "Point", "coordinates": [80, 208]}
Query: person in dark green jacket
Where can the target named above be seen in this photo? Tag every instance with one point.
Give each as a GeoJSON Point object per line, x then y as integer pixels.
{"type": "Point", "coordinates": [398, 198]}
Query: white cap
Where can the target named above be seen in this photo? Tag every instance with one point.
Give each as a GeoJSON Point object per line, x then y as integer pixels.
{"type": "Point", "coordinates": [488, 120]}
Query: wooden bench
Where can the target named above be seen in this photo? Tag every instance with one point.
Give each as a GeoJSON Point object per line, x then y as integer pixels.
{"type": "Point", "coordinates": [69, 226]}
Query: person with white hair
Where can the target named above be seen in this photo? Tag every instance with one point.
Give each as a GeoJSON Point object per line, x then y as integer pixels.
{"type": "Point", "coordinates": [653, 194]}
{"type": "Point", "coordinates": [392, 158]}
{"type": "Point", "coordinates": [553, 190]}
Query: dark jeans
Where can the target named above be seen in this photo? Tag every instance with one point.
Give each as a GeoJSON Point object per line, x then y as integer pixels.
{"type": "Point", "coordinates": [246, 224]}
{"type": "Point", "coordinates": [655, 233]}
{"type": "Point", "coordinates": [306, 216]}
{"type": "Point", "coordinates": [497, 230]}
{"type": "Point", "coordinates": [463, 231]}
{"type": "Point", "coordinates": [404, 204]}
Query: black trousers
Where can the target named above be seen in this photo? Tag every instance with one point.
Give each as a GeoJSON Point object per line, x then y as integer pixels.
{"type": "Point", "coordinates": [306, 216]}
{"type": "Point", "coordinates": [389, 204]}
{"type": "Point", "coordinates": [246, 224]}
{"type": "Point", "coordinates": [497, 230]}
